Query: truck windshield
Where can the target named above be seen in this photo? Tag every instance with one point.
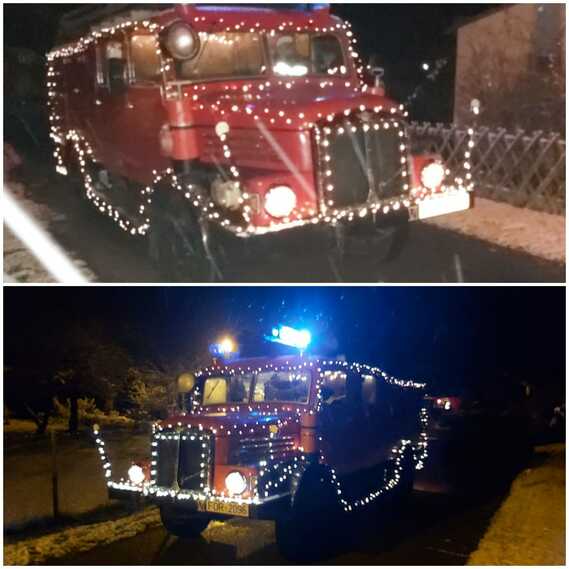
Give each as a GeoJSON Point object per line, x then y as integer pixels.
{"type": "Point", "coordinates": [225, 55]}
{"type": "Point", "coordinates": [299, 54]}
{"type": "Point", "coordinates": [243, 54]}
{"type": "Point", "coordinates": [265, 387]}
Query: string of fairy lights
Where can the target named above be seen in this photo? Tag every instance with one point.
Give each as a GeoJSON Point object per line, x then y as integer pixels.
{"type": "Point", "coordinates": [275, 470]}
{"type": "Point", "coordinates": [221, 110]}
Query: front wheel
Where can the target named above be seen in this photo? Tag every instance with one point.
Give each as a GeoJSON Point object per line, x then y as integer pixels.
{"type": "Point", "coordinates": [177, 250]}
{"type": "Point", "coordinates": [367, 247]}
{"type": "Point", "coordinates": [181, 525]}
{"type": "Point", "coordinates": [311, 530]}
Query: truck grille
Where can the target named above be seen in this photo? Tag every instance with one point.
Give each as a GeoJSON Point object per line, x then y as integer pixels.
{"type": "Point", "coordinates": [253, 450]}
{"type": "Point", "coordinates": [184, 460]}
{"type": "Point", "coordinates": [365, 163]}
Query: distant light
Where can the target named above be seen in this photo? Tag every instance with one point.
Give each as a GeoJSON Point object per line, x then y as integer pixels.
{"type": "Point", "coordinates": [426, 67]}
{"type": "Point", "coordinates": [288, 336]}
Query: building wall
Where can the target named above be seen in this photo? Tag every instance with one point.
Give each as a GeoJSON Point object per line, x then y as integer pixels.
{"type": "Point", "coordinates": [502, 60]}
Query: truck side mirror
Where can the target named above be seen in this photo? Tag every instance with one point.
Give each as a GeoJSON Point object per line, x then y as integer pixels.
{"type": "Point", "coordinates": [186, 382]}
{"type": "Point", "coordinates": [376, 71]}
{"type": "Point", "coordinates": [184, 385]}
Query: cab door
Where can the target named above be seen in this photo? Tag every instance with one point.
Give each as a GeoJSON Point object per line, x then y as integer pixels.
{"type": "Point", "coordinates": [343, 424]}
{"type": "Point", "coordinates": [145, 114]}
{"type": "Point", "coordinates": [128, 106]}
{"type": "Point", "coordinates": [110, 101]}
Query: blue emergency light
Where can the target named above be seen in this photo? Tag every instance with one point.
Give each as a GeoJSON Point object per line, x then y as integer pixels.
{"type": "Point", "coordinates": [287, 336]}
{"type": "Point", "coordinates": [225, 348]}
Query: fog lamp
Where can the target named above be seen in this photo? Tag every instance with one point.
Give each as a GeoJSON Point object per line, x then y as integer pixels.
{"type": "Point", "coordinates": [181, 41]}
{"type": "Point", "coordinates": [236, 483]}
{"type": "Point", "coordinates": [136, 474]}
{"type": "Point", "coordinates": [433, 175]}
{"type": "Point", "coordinates": [280, 201]}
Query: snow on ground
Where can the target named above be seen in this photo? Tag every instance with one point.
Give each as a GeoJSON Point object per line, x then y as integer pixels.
{"type": "Point", "coordinates": [538, 233]}
{"type": "Point", "coordinates": [529, 527]}
{"type": "Point", "coordinates": [19, 263]}
{"type": "Point", "coordinates": [81, 482]}
{"type": "Point", "coordinates": [79, 539]}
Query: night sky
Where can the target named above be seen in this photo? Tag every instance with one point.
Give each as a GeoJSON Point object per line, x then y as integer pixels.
{"type": "Point", "coordinates": [455, 338]}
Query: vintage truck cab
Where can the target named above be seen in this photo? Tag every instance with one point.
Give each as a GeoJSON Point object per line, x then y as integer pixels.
{"type": "Point", "coordinates": [203, 125]}
{"type": "Point", "coordinates": [298, 440]}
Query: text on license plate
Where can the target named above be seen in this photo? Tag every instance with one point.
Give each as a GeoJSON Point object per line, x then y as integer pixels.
{"type": "Point", "coordinates": [440, 205]}
{"type": "Point", "coordinates": [228, 508]}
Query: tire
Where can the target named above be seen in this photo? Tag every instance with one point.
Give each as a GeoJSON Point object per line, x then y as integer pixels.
{"type": "Point", "coordinates": [180, 525]}
{"type": "Point", "coordinates": [177, 251]}
{"type": "Point", "coordinates": [306, 534]}
{"type": "Point", "coordinates": [374, 247]}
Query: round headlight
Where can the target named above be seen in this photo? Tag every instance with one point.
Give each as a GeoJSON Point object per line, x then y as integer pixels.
{"type": "Point", "coordinates": [235, 483]}
{"type": "Point", "coordinates": [136, 474]}
{"type": "Point", "coordinates": [280, 201]}
{"type": "Point", "coordinates": [433, 175]}
{"type": "Point", "coordinates": [181, 41]}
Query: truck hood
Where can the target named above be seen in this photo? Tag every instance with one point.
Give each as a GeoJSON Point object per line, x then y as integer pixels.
{"type": "Point", "coordinates": [280, 107]}
{"type": "Point", "coordinates": [226, 421]}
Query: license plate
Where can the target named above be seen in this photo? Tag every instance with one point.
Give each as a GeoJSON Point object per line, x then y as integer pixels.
{"type": "Point", "coordinates": [440, 205]}
{"type": "Point", "coordinates": [228, 508]}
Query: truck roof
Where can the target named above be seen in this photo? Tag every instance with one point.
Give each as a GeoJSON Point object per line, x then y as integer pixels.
{"type": "Point", "coordinates": [291, 360]}
{"type": "Point", "coordinates": [80, 21]}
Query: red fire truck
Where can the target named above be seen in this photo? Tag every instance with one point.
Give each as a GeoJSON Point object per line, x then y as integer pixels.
{"type": "Point", "coordinates": [298, 440]}
{"type": "Point", "coordinates": [208, 127]}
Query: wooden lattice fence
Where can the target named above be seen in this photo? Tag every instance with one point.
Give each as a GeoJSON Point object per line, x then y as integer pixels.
{"type": "Point", "coordinates": [523, 169]}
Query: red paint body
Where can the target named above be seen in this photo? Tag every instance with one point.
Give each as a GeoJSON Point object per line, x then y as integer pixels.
{"type": "Point", "coordinates": [362, 442]}
{"type": "Point", "coordinates": [152, 126]}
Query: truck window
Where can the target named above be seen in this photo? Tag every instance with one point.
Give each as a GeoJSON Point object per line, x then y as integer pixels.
{"type": "Point", "coordinates": [223, 390]}
{"type": "Point", "coordinates": [225, 55]}
{"type": "Point", "coordinates": [369, 389]}
{"type": "Point", "coordinates": [286, 387]}
{"type": "Point", "coordinates": [327, 55]}
{"type": "Point", "coordinates": [114, 66]}
{"type": "Point", "coordinates": [334, 386]}
{"type": "Point", "coordinates": [145, 58]}
{"type": "Point", "coordinates": [299, 54]}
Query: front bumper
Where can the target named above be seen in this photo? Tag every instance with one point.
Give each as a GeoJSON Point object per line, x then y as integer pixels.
{"type": "Point", "coordinates": [445, 203]}
{"type": "Point", "coordinates": [262, 509]}
{"type": "Point", "coordinates": [321, 236]}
